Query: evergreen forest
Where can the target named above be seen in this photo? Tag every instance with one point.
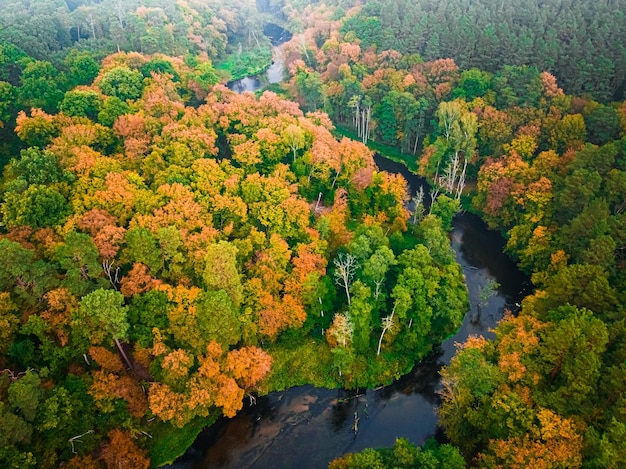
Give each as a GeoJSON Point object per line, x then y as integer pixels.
{"type": "Point", "coordinates": [171, 249]}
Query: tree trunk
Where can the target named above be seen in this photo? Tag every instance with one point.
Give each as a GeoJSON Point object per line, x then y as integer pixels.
{"type": "Point", "coordinates": [387, 323]}
{"type": "Point", "coordinates": [119, 346]}
{"type": "Point", "coordinates": [461, 186]}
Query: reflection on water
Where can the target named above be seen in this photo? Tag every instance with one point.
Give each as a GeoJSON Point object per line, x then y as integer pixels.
{"type": "Point", "coordinates": [245, 84]}
{"type": "Point", "coordinates": [305, 427]}
{"type": "Point", "coordinates": [276, 70]}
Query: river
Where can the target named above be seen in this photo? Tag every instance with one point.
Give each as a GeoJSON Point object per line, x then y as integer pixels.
{"type": "Point", "coordinates": [275, 72]}
{"type": "Point", "coordinates": [306, 427]}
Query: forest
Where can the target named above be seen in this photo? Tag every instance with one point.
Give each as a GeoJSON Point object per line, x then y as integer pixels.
{"type": "Point", "coordinates": [171, 248]}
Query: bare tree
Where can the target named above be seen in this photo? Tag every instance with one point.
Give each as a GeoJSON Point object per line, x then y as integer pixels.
{"type": "Point", "coordinates": [345, 268]}
{"type": "Point", "coordinates": [112, 275]}
{"type": "Point", "coordinates": [418, 202]}
{"type": "Point", "coordinates": [387, 323]}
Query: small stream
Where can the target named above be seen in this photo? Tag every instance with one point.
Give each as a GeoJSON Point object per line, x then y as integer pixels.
{"type": "Point", "coordinates": [307, 427]}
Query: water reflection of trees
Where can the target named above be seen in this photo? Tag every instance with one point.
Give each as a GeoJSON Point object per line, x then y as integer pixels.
{"type": "Point", "coordinates": [348, 402]}
{"type": "Point", "coordinates": [422, 380]}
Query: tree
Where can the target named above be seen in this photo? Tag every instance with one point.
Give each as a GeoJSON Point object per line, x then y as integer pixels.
{"type": "Point", "coordinates": [220, 272]}
{"type": "Point", "coordinates": [81, 103]}
{"type": "Point", "coordinates": [445, 208]}
{"type": "Point", "coordinates": [403, 455]}
{"type": "Point", "coordinates": [473, 83]}
{"type": "Point", "coordinates": [42, 86]}
{"type": "Point", "coordinates": [23, 274]}
{"type": "Point", "coordinates": [376, 267]}
{"type": "Point", "coordinates": [294, 136]}
{"type": "Point", "coordinates": [341, 331]}
{"type": "Point", "coordinates": [102, 314]}
{"type": "Point", "coordinates": [387, 324]}
{"type": "Point", "coordinates": [569, 132]}
{"type": "Point", "coordinates": [36, 167]}
{"type": "Point", "coordinates": [78, 256]}
{"type": "Point", "coordinates": [142, 248]}
{"type": "Point", "coordinates": [137, 281]}
{"type": "Point", "coordinates": [196, 319]}
{"type": "Point", "coordinates": [37, 206]}
{"type": "Point", "coordinates": [248, 365]}
{"type": "Point", "coordinates": [14, 430]}
{"type": "Point", "coordinates": [345, 268]}
{"type": "Point", "coordinates": [38, 129]}
{"type": "Point", "coordinates": [582, 285]}
{"type": "Point", "coordinates": [83, 68]}
{"type": "Point", "coordinates": [121, 451]}
{"type": "Point", "coordinates": [9, 321]}
{"type": "Point", "coordinates": [112, 108]}
{"type": "Point", "coordinates": [602, 124]}
{"type": "Point", "coordinates": [122, 82]}
{"type": "Point", "coordinates": [516, 399]}
{"type": "Point", "coordinates": [8, 93]}
{"type": "Point", "coordinates": [360, 312]}
{"type": "Point", "coordinates": [25, 394]}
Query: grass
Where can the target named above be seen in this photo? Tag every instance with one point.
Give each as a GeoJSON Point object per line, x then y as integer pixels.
{"type": "Point", "coordinates": [246, 63]}
{"type": "Point", "coordinates": [308, 363]}
{"type": "Point", "coordinates": [168, 442]}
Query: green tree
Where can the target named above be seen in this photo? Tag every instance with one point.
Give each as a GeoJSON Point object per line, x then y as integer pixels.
{"type": "Point", "coordinates": [82, 67]}
{"type": "Point", "coordinates": [81, 103]}
{"type": "Point", "coordinates": [360, 312]}
{"type": "Point", "coordinates": [25, 394]}
{"type": "Point", "coordinates": [36, 167]}
{"type": "Point", "coordinates": [474, 83]}
{"type": "Point", "coordinates": [376, 267]}
{"type": "Point", "coordinates": [42, 86]}
{"type": "Point", "coordinates": [23, 274]}
{"type": "Point", "coordinates": [101, 315]}
{"type": "Point", "coordinates": [122, 82]}
{"type": "Point", "coordinates": [8, 94]}
{"type": "Point", "coordinates": [445, 208]}
{"type": "Point", "coordinates": [221, 273]}
{"type": "Point", "coordinates": [142, 247]}
{"type": "Point", "coordinates": [79, 258]}
{"type": "Point", "coordinates": [112, 108]}
{"type": "Point", "coordinates": [602, 124]}
{"type": "Point", "coordinates": [37, 206]}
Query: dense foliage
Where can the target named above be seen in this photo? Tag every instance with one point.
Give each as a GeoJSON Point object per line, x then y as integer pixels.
{"type": "Point", "coordinates": [161, 261]}
{"type": "Point", "coordinates": [45, 29]}
{"type": "Point", "coordinates": [48, 47]}
{"type": "Point", "coordinates": [403, 455]}
{"type": "Point", "coordinates": [545, 167]}
{"type": "Point", "coordinates": [579, 41]}
{"type": "Point", "coordinates": [169, 247]}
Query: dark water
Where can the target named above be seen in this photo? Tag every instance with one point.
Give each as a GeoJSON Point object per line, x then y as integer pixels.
{"type": "Point", "coordinates": [305, 427]}
{"type": "Point", "coordinates": [276, 34]}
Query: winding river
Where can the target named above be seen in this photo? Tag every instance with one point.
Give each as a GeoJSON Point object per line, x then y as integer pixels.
{"type": "Point", "coordinates": [274, 74]}
{"type": "Point", "coordinates": [307, 427]}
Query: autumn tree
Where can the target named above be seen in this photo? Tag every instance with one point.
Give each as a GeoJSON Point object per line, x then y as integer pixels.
{"type": "Point", "coordinates": [121, 451]}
